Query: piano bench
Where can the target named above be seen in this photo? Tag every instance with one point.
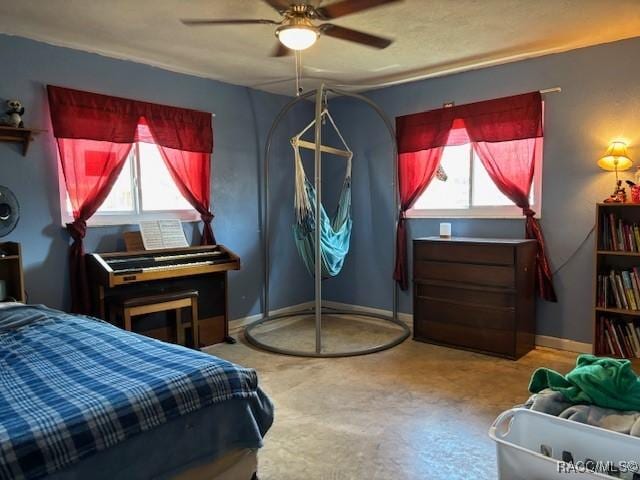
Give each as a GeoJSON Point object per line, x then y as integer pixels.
{"type": "Point", "coordinates": [161, 302]}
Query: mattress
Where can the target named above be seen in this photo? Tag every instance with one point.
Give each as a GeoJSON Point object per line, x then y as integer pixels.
{"type": "Point", "coordinates": [76, 391]}
{"type": "Point", "coordinates": [201, 443]}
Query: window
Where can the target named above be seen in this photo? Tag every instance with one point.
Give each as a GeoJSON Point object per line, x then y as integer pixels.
{"type": "Point", "coordinates": [468, 191]}
{"type": "Point", "coordinates": [143, 191]}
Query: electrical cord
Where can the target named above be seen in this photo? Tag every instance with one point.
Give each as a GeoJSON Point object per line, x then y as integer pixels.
{"type": "Point", "coordinates": [570, 257]}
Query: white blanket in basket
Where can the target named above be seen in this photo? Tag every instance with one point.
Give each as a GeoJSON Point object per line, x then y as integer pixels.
{"type": "Point", "coordinates": [553, 403]}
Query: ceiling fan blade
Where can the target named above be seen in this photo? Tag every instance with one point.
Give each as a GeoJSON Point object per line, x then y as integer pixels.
{"type": "Point", "coordinates": [355, 36]}
{"type": "Point", "coordinates": [347, 7]}
{"type": "Point", "coordinates": [227, 21]}
{"type": "Point", "coordinates": [279, 5]}
{"type": "Point", "coordinates": [280, 51]}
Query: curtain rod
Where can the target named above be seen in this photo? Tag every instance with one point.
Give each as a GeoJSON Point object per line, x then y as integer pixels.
{"type": "Point", "coordinates": [542, 92]}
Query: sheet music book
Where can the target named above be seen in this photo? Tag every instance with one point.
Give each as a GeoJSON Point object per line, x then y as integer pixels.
{"type": "Point", "coordinates": [157, 234]}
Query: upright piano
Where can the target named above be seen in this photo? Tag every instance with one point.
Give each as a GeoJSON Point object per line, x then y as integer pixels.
{"type": "Point", "coordinates": [130, 274]}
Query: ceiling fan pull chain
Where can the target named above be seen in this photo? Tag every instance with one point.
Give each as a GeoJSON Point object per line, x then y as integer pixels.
{"type": "Point", "coordinates": [325, 107]}
{"type": "Point", "coordinates": [298, 58]}
{"type": "Point", "coordinates": [300, 71]}
{"type": "Point", "coordinates": [295, 57]}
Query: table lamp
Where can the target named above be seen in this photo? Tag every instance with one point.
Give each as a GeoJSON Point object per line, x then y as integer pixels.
{"type": "Point", "coordinates": [616, 160]}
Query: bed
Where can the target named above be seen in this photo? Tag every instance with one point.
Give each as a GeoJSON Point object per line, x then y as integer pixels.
{"type": "Point", "coordinates": [80, 398]}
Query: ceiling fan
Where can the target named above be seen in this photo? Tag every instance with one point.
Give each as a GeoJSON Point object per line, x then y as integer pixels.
{"type": "Point", "coordinates": [296, 30]}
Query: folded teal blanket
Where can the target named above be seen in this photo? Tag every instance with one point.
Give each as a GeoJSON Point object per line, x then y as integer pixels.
{"type": "Point", "coordinates": [605, 382]}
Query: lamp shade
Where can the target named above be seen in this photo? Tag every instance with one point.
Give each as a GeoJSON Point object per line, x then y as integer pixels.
{"type": "Point", "coordinates": [615, 158]}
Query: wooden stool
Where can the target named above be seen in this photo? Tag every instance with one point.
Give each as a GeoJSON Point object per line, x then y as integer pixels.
{"type": "Point", "coordinates": [162, 302]}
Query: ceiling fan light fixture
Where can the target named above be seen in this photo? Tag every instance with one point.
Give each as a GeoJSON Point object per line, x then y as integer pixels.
{"type": "Point", "coordinates": [297, 37]}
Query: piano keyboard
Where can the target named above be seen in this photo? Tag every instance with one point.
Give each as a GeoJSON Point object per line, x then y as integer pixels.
{"type": "Point", "coordinates": [173, 266]}
{"type": "Point", "coordinates": [168, 258]}
{"type": "Point", "coordinates": [117, 268]}
{"type": "Point", "coordinates": [165, 258]}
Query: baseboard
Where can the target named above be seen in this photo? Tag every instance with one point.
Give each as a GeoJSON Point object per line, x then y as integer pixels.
{"type": "Point", "coordinates": [562, 344]}
{"type": "Point", "coordinates": [237, 325]}
{"type": "Point", "coordinates": [403, 317]}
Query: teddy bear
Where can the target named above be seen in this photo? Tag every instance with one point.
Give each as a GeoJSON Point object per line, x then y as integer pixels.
{"type": "Point", "coordinates": [13, 114]}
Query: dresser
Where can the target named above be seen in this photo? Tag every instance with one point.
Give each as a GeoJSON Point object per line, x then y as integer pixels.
{"type": "Point", "coordinates": [475, 293]}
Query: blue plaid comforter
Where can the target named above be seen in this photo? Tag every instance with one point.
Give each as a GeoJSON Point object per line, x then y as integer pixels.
{"type": "Point", "coordinates": [71, 386]}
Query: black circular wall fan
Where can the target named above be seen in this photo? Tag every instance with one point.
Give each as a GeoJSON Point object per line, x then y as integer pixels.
{"type": "Point", "coordinates": [297, 30]}
{"type": "Point", "coordinates": [9, 211]}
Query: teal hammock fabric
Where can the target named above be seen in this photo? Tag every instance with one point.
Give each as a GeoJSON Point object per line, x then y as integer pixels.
{"type": "Point", "coordinates": [335, 233]}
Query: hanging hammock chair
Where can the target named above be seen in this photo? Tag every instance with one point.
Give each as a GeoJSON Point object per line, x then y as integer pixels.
{"type": "Point", "coordinates": [335, 233]}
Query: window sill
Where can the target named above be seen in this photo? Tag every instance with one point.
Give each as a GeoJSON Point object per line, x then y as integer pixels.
{"type": "Point", "coordinates": [488, 214]}
{"type": "Point", "coordinates": [117, 219]}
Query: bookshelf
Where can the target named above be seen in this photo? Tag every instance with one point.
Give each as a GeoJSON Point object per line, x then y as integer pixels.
{"type": "Point", "coordinates": [617, 263]}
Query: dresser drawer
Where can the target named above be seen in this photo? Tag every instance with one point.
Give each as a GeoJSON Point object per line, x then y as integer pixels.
{"type": "Point", "coordinates": [475, 317]}
{"type": "Point", "coordinates": [490, 275]}
{"type": "Point", "coordinates": [459, 293]}
{"type": "Point", "coordinates": [464, 253]}
{"type": "Point", "coordinates": [501, 342]}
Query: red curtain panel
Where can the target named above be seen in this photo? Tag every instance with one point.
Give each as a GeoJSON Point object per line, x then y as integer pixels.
{"type": "Point", "coordinates": [506, 133]}
{"type": "Point", "coordinates": [95, 133]}
{"type": "Point", "coordinates": [90, 168]}
{"type": "Point", "coordinates": [416, 170]}
{"type": "Point", "coordinates": [421, 139]}
{"type": "Point", "coordinates": [190, 171]}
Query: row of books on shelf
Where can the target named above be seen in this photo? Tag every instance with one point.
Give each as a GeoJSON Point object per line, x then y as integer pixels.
{"type": "Point", "coordinates": [618, 235]}
{"type": "Point", "coordinates": [619, 289]}
{"type": "Point", "coordinates": [618, 338]}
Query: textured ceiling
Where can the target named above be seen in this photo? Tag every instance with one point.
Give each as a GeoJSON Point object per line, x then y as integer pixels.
{"type": "Point", "coordinates": [433, 37]}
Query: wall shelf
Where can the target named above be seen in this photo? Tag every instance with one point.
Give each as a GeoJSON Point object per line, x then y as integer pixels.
{"type": "Point", "coordinates": [23, 136]}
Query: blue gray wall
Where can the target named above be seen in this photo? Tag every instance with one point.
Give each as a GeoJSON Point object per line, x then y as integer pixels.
{"type": "Point", "coordinates": [243, 117]}
{"type": "Point", "coordinates": [600, 101]}
{"type": "Point", "coordinates": [594, 107]}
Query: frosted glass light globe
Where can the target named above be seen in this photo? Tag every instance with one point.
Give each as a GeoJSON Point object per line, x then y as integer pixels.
{"type": "Point", "coordinates": [297, 38]}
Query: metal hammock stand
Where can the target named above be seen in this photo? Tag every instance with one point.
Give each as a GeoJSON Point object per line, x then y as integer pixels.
{"type": "Point", "coordinates": [318, 310]}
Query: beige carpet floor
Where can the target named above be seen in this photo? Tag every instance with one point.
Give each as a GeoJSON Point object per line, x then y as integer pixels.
{"type": "Point", "coordinates": [415, 412]}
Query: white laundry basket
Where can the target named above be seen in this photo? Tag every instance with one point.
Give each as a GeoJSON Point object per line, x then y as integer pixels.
{"type": "Point", "coordinates": [519, 434]}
